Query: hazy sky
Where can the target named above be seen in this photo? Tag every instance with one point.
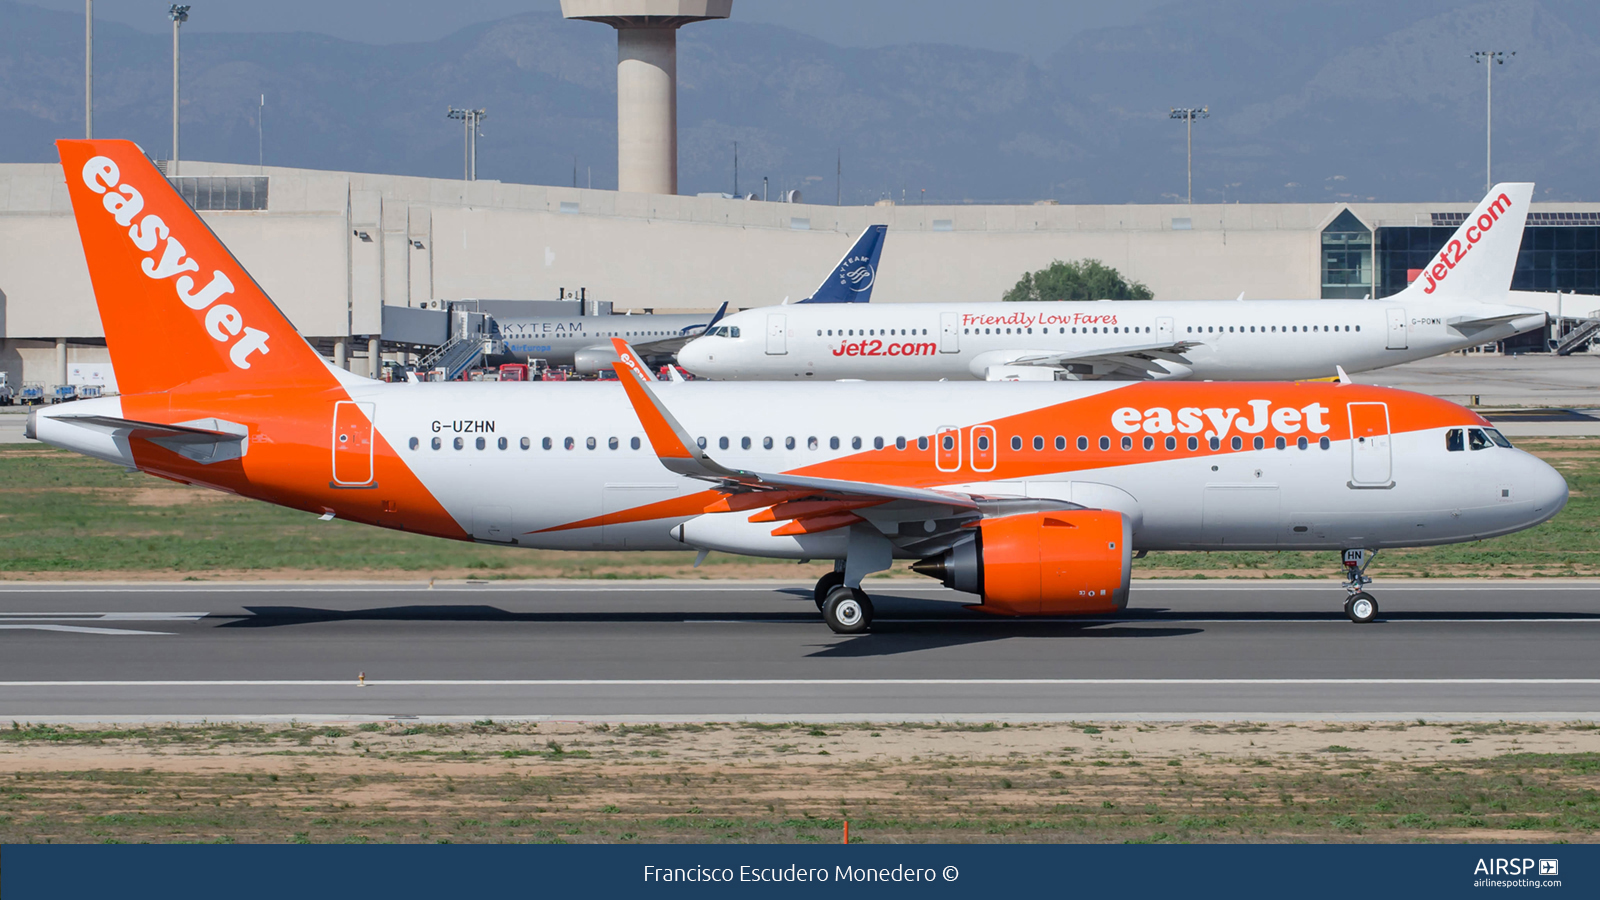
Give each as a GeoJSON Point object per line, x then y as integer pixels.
{"type": "Point", "coordinates": [1034, 27]}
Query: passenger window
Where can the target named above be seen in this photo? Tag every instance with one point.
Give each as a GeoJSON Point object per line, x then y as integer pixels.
{"type": "Point", "coordinates": [811, 443]}
{"type": "Point", "coordinates": [1038, 442]}
{"type": "Point", "coordinates": [949, 443]}
{"type": "Point", "coordinates": [437, 443]}
{"type": "Point", "coordinates": [922, 443]}
{"type": "Point", "coordinates": [589, 443]}
{"type": "Point", "coordinates": [1016, 442]}
{"type": "Point", "coordinates": [1260, 443]}
{"type": "Point", "coordinates": [634, 443]}
{"type": "Point", "coordinates": [877, 443]}
{"type": "Point", "coordinates": [526, 443]}
{"type": "Point", "coordinates": [701, 441]}
{"type": "Point", "coordinates": [1172, 443]}
{"type": "Point", "coordinates": [788, 443]}
{"type": "Point", "coordinates": [482, 443]}
{"type": "Point", "coordinates": [900, 443]}
{"type": "Point", "coordinates": [1105, 443]}
{"type": "Point", "coordinates": [722, 443]}
{"type": "Point", "coordinates": [613, 443]}
{"type": "Point", "coordinates": [569, 443]}
{"type": "Point", "coordinates": [547, 443]}
{"type": "Point", "coordinates": [833, 443]}
{"type": "Point", "coordinates": [1280, 443]}
{"type": "Point", "coordinates": [414, 443]}
{"type": "Point", "coordinates": [1323, 443]}
{"type": "Point", "coordinates": [1127, 443]}
{"type": "Point", "coordinates": [460, 444]}
{"type": "Point", "coordinates": [1194, 443]}
{"type": "Point", "coordinates": [1061, 443]}
{"type": "Point", "coordinates": [855, 443]}
{"type": "Point", "coordinates": [1215, 443]}
{"type": "Point", "coordinates": [744, 443]}
{"type": "Point", "coordinates": [1301, 442]}
{"type": "Point", "coordinates": [1455, 440]}
{"type": "Point", "coordinates": [1477, 440]}
{"type": "Point", "coordinates": [1083, 442]}
{"type": "Point", "coordinates": [983, 442]}
{"type": "Point", "coordinates": [1238, 443]}
{"type": "Point", "coordinates": [766, 443]}
{"type": "Point", "coordinates": [1149, 443]}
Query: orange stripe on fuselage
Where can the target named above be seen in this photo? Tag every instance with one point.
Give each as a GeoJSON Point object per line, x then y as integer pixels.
{"type": "Point", "coordinates": [1091, 417]}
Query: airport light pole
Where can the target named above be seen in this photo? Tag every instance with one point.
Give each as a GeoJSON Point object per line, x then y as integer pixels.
{"type": "Point", "coordinates": [88, 70]}
{"type": "Point", "coordinates": [179, 13]}
{"type": "Point", "coordinates": [1188, 115]}
{"type": "Point", "coordinates": [1490, 59]}
{"type": "Point", "coordinates": [470, 119]}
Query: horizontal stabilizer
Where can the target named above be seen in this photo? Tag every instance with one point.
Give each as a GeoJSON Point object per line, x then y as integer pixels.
{"type": "Point", "coordinates": [202, 440]}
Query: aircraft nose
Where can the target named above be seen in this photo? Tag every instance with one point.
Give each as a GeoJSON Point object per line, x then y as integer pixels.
{"type": "Point", "coordinates": [694, 357]}
{"type": "Point", "coordinates": [1546, 489]}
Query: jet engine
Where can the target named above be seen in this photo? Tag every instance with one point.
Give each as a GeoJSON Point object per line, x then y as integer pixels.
{"type": "Point", "coordinates": [1044, 563]}
{"type": "Point", "coordinates": [591, 360]}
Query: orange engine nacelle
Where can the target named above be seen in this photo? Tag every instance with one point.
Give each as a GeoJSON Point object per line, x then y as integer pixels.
{"type": "Point", "coordinates": [1047, 563]}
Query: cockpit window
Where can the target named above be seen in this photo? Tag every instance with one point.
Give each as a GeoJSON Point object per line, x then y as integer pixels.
{"type": "Point", "coordinates": [727, 331]}
{"type": "Point", "coordinates": [1477, 440]}
{"type": "Point", "coordinates": [1455, 440]}
{"type": "Point", "coordinates": [1498, 438]}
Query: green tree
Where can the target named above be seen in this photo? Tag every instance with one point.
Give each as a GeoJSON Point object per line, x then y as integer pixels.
{"type": "Point", "coordinates": [1084, 279]}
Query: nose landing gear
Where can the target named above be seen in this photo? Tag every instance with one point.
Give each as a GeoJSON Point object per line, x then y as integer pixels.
{"type": "Point", "coordinates": [1360, 606]}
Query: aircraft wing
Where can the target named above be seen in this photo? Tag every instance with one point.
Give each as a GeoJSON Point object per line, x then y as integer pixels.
{"type": "Point", "coordinates": [807, 503]}
{"type": "Point", "coordinates": [1135, 360]}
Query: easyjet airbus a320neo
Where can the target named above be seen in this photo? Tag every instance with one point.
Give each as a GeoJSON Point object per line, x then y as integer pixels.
{"type": "Point", "coordinates": [1033, 496]}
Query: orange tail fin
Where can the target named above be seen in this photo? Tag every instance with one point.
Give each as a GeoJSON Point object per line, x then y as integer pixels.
{"type": "Point", "coordinates": [176, 306]}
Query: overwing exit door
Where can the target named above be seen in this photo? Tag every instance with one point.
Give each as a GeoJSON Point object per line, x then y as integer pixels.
{"type": "Point", "coordinates": [352, 443]}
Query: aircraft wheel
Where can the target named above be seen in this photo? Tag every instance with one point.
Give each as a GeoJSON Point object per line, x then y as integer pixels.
{"type": "Point", "coordinates": [847, 611]}
{"type": "Point", "coordinates": [825, 586]}
{"type": "Point", "coordinates": [1362, 608]}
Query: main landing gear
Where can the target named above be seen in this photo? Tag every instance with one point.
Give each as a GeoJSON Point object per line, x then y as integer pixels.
{"type": "Point", "coordinates": [846, 610]}
{"type": "Point", "coordinates": [1360, 606]}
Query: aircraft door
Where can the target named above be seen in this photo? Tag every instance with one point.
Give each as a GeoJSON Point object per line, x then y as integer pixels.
{"type": "Point", "coordinates": [983, 449]}
{"type": "Point", "coordinates": [949, 332]}
{"type": "Point", "coordinates": [777, 335]}
{"type": "Point", "coordinates": [1370, 462]}
{"type": "Point", "coordinates": [947, 448]}
{"type": "Point", "coordinates": [352, 443]}
{"type": "Point", "coordinates": [1397, 329]}
{"type": "Point", "coordinates": [1164, 328]}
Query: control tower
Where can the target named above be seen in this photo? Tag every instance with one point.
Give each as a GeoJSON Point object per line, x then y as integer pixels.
{"type": "Point", "coordinates": [647, 82]}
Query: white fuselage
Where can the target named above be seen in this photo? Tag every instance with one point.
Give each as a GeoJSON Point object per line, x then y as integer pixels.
{"type": "Point", "coordinates": [1231, 340]}
{"type": "Point", "coordinates": [449, 436]}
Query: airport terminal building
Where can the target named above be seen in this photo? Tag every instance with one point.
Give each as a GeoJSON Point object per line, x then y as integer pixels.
{"type": "Point", "coordinates": [334, 248]}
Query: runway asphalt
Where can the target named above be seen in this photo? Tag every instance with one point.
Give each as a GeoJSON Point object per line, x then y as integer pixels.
{"type": "Point", "coordinates": [720, 651]}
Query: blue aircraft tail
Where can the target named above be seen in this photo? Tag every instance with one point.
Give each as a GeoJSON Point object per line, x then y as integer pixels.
{"type": "Point", "coordinates": [851, 280]}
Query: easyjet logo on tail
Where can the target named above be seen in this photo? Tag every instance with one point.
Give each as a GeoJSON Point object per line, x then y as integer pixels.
{"type": "Point", "coordinates": [1454, 251]}
{"type": "Point", "coordinates": [222, 321]}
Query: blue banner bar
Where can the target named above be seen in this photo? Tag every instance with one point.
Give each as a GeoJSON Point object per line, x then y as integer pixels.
{"type": "Point", "coordinates": [432, 872]}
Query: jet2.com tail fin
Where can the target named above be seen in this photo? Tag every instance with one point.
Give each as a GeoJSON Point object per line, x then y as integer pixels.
{"type": "Point", "coordinates": [1477, 262]}
{"type": "Point", "coordinates": [851, 280]}
{"type": "Point", "coordinates": [177, 308]}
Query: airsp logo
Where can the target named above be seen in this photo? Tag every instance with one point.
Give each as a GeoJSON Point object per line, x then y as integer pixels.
{"type": "Point", "coordinates": [856, 273]}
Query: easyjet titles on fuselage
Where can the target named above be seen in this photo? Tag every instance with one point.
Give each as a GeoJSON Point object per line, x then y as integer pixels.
{"type": "Point", "coordinates": [1285, 420]}
{"type": "Point", "coordinates": [223, 322]}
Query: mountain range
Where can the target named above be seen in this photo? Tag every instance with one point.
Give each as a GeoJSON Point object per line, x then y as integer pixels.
{"type": "Point", "coordinates": [1357, 99]}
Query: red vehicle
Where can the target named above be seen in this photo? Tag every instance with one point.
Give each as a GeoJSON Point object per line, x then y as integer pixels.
{"type": "Point", "coordinates": [514, 372]}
